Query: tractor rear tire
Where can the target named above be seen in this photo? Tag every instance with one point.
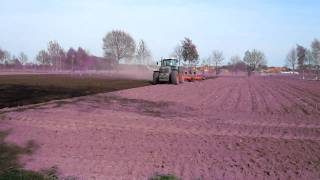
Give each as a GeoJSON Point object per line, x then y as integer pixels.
{"type": "Point", "coordinates": [174, 77]}
{"type": "Point", "coordinates": [155, 78]}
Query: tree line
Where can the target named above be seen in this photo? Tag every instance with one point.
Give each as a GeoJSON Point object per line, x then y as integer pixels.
{"type": "Point", "coordinates": [305, 60]}
{"type": "Point", "coordinates": [253, 60]}
{"type": "Point", "coordinates": [59, 59]}
{"type": "Point", "coordinates": [8, 60]}
{"type": "Point", "coordinates": [118, 46]}
{"type": "Point", "coordinates": [54, 57]}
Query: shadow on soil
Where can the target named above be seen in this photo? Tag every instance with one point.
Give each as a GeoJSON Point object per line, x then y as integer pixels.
{"type": "Point", "coordinates": [115, 103]}
{"type": "Point", "coordinates": [140, 106]}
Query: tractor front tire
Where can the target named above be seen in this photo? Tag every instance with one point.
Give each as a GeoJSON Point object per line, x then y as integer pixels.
{"type": "Point", "coordinates": [174, 77]}
{"type": "Point", "coordinates": [155, 78]}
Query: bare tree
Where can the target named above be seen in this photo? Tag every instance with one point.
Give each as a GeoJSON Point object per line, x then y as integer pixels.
{"type": "Point", "coordinates": [206, 61]}
{"type": "Point", "coordinates": [23, 58]}
{"type": "Point", "coordinates": [235, 62]}
{"type": "Point", "coordinates": [254, 59]}
{"type": "Point", "coordinates": [189, 51]}
{"type": "Point", "coordinates": [55, 54]}
{"type": "Point", "coordinates": [315, 50]}
{"type": "Point", "coordinates": [217, 58]}
{"type": "Point", "coordinates": [292, 59]}
{"type": "Point", "coordinates": [71, 57]}
{"type": "Point", "coordinates": [7, 57]}
{"type": "Point", "coordinates": [301, 54]}
{"type": "Point", "coordinates": [81, 57]}
{"type": "Point", "coordinates": [177, 52]}
{"type": "Point", "coordinates": [2, 56]}
{"type": "Point", "coordinates": [43, 57]}
{"type": "Point", "coordinates": [309, 59]}
{"type": "Point", "coordinates": [119, 45]}
{"type": "Point", "coordinates": [235, 59]}
{"type": "Point", "coordinates": [143, 53]}
{"type": "Point", "coordinates": [62, 59]}
{"type": "Point", "coordinates": [15, 62]}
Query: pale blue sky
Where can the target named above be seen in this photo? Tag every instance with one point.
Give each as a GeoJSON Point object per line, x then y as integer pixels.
{"type": "Point", "coordinates": [232, 26]}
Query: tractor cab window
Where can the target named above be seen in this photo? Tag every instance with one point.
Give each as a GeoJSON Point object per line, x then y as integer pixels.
{"type": "Point", "coordinates": [169, 62]}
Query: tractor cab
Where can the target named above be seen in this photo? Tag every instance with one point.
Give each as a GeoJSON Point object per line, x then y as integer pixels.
{"type": "Point", "coordinates": [169, 62]}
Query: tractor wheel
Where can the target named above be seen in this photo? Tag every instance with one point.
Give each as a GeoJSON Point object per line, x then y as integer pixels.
{"type": "Point", "coordinates": [155, 78]}
{"type": "Point", "coordinates": [174, 77]}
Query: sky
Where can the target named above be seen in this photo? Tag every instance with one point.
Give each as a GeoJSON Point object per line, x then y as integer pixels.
{"type": "Point", "coordinates": [232, 26]}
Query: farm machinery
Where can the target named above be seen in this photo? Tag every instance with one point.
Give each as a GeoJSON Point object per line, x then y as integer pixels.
{"type": "Point", "coordinates": [171, 72]}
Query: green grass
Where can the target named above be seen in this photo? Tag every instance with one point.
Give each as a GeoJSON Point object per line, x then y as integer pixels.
{"type": "Point", "coordinates": [20, 174]}
{"type": "Point", "coordinates": [18, 90]}
{"type": "Point", "coordinates": [10, 153]}
{"type": "Point", "coordinates": [164, 177]}
{"type": "Point", "coordinates": [10, 167]}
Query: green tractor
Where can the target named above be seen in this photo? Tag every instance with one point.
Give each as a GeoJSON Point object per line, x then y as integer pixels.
{"type": "Point", "coordinates": [169, 72]}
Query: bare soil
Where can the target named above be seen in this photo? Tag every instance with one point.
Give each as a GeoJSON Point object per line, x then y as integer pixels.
{"type": "Point", "coordinates": [224, 128]}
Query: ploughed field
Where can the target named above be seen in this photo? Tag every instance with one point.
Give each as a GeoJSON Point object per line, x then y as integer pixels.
{"type": "Point", "coordinates": [224, 128]}
{"type": "Point", "coordinates": [24, 89]}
